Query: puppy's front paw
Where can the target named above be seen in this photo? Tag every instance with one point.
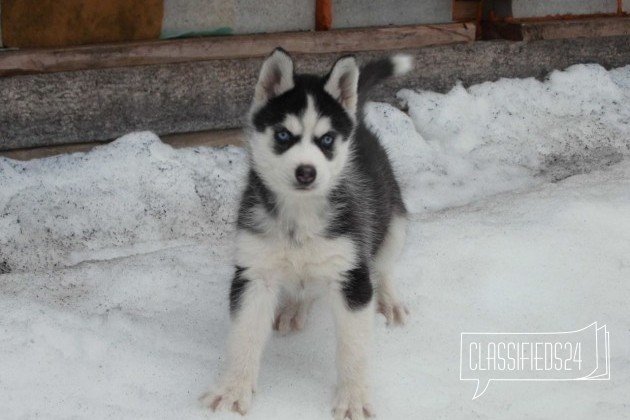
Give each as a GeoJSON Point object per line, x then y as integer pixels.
{"type": "Point", "coordinates": [232, 396]}
{"type": "Point", "coordinates": [352, 403]}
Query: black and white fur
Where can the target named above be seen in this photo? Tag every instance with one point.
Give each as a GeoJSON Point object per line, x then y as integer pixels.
{"type": "Point", "coordinates": [322, 214]}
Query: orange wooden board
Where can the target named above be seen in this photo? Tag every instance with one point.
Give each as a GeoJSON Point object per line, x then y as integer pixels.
{"type": "Point", "coordinates": [53, 23]}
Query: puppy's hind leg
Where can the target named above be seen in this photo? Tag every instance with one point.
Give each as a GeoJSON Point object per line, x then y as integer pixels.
{"type": "Point", "coordinates": [389, 303]}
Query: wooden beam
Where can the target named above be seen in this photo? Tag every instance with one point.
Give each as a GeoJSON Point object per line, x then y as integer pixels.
{"type": "Point", "coordinates": [44, 152]}
{"type": "Point", "coordinates": [532, 30]}
{"type": "Point", "coordinates": [208, 138]}
{"type": "Point", "coordinates": [211, 138]}
{"type": "Point", "coordinates": [231, 47]}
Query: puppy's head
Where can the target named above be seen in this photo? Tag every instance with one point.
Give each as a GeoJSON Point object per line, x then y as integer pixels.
{"type": "Point", "coordinates": [302, 125]}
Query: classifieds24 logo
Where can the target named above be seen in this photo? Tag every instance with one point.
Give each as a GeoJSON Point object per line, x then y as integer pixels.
{"type": "Point", "coordinates": [555, 356]}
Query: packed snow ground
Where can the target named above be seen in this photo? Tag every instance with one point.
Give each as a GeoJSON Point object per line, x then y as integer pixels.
{"type": "Point", "coordinates": [116, 263]}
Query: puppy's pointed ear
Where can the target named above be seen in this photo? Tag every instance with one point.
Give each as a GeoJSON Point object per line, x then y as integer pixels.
{"type": "Point", "coordinates": [276, 77]}
{"type": "Point", "coordinates": [342, 83]}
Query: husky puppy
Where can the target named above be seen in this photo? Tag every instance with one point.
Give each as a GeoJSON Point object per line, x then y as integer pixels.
{"type": "Point", "coordinates": [322, 214]}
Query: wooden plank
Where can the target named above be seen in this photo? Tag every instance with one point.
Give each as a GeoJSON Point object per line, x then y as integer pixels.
{"type": "Point", "coordinates": [72, 107]}
{"type": "Point", "coordinates": [208, 138]}
{"type": "Point", "coordinates": [212, 138]}
{"type": "Point", "coordinates": [242, 46]}
{"type": "Point", "coordinates": [566, 28]}
{"type": "Point", "coordinates": [44, 152]}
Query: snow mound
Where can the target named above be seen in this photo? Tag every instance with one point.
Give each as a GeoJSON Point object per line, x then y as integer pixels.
{"type": "Point", "coordinates": [58, 211]}
{"type": "Point", "coordinates": [454, 148]}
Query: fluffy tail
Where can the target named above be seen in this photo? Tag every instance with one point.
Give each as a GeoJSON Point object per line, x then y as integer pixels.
{"type": "Point", "coordinates": [375, 72]}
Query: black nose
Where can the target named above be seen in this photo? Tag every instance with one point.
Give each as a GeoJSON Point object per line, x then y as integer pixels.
{"type": "Point", "coordinates": [305, 174]}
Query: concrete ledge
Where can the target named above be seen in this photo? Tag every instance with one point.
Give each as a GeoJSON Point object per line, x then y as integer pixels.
{"type": "Point", "coordinates": [97, 105]}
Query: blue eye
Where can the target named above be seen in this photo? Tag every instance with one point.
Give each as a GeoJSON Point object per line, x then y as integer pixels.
{"type": "Point", "coordinates": [283, 136]}
{"type": "Point", "coordinates": [327, 140]}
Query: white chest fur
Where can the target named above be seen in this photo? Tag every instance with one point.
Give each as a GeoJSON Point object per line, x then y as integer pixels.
{"type": "Point", "coordinates": [295, 250]}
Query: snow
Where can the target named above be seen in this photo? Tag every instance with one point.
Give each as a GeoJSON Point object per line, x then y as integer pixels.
{"type": "Point", "coordinates": [117, 263]}
{"type": "Point", "coordinates": [496, 137]}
